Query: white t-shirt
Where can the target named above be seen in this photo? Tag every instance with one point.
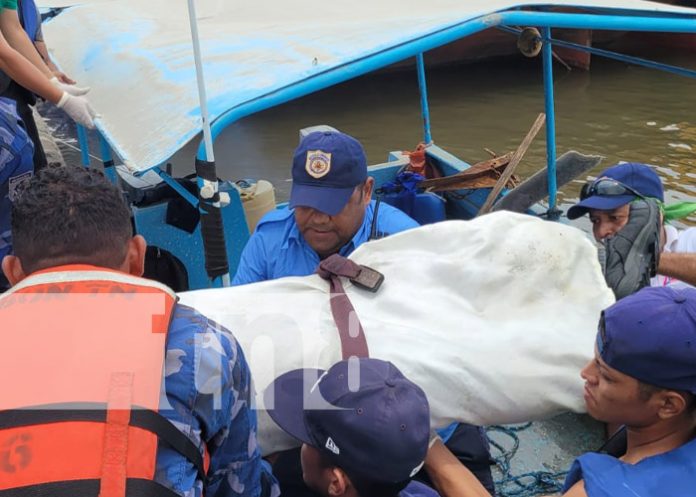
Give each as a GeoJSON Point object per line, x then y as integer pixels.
{"type": "Point", "coordinates": [683, 241]}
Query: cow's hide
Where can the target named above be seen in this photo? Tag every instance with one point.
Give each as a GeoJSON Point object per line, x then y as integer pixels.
{"type": "Point", "coordinates": [493, 318]}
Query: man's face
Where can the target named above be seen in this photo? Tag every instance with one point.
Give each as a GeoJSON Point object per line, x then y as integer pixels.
{"type": "Point", "coordinates": [608, 223]}
{"type": "Point", "coordinates": [327, 234]}
{"type": "Point", "coordinates": [613, 397]}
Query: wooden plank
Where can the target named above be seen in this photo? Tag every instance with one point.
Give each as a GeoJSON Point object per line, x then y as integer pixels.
{"type": "Point", "coordinates": [514, 162]}
{"type": "Point", "coordinates": [479, 170]}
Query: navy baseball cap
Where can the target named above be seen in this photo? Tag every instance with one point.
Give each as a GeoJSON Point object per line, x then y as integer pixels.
{"type": "Point", "coordinates": [327, 167]}
{"type": "Point", "coordinates": [638, 177]}
{"type": "Point", "coordinates": [651, 336]}
{"type": "Point", "coordinates": [363, 414]}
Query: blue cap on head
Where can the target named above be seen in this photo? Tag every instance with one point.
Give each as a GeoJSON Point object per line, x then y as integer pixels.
{"type": "Point", "coordinates": [327, 167]}
{"type": "Point", "coordinates": [362, 413]}
{"type": "Point", "coordinates": [651, 336]}
{"type": "Point", "coordinates": [639, 177]}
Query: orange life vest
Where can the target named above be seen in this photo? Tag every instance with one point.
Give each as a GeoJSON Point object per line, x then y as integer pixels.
{"type": "Point", "coordinates": [81, 378]}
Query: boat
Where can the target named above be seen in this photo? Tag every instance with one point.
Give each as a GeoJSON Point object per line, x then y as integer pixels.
{"type": "Point", "coordinates": [263, 55]}
{"type": "Point", "coordinates": [156, 93]}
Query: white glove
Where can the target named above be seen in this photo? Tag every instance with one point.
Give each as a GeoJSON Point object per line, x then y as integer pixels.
{"type": "Point", "coordinates": [78, 108]}
{"type": "Point", "coordinates": [77, 91]}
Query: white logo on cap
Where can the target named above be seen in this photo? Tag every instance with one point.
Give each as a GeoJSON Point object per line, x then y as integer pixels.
{"type": "Point", "coordinates": [318, 163]}
{"type": "Point", "coordinates": [332, 446]}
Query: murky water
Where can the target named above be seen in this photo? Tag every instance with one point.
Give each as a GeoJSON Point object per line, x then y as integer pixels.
{"type": "Point", "coordinates": [619, 111]}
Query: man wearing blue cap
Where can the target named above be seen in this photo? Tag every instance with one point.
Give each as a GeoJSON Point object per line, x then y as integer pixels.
{"type": "Point", "coordinates": [644, 377]}
{"type": "Point", "coordinates": [331, 211]}
{"type": "Point", "coordinates": [608, 201]}
{"type": "Point", "coordinates": [364, 427]}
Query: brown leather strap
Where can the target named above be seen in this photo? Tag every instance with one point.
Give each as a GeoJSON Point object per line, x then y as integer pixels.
{"type": "Point", "coordinates": [350, 330]}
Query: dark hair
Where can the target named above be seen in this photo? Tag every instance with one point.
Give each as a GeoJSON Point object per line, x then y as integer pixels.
{"type": "Point", "coordinates": [365, 487]}
{"type": "Point", "coordinates": [70, 215]}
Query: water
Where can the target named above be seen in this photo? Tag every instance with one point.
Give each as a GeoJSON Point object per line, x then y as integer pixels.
{"type": "Point", "coordinates": [618, 111]}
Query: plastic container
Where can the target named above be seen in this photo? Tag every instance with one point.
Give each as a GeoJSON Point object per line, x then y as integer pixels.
{"type": "Point", "coordinates": [425, 208]}
{"type": "Point", "coordinates": [258, 198]}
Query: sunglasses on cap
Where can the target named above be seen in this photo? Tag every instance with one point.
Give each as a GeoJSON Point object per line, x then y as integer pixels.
{"type": "Point", "coordinates": [606, 187]}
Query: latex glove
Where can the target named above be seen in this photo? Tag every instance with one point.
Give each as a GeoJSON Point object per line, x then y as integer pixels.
{"type": "Point", "coordinates": [79, 109]}
{"type": "Point", "coordinates": [77, 91]}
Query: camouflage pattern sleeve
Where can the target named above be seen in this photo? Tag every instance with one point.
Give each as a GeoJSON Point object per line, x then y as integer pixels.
{"type": "Point", "coordinates": [209, 393]}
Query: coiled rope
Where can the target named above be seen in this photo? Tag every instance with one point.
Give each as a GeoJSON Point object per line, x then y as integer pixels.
{"type": "Point", "coordinates": [529, 484]}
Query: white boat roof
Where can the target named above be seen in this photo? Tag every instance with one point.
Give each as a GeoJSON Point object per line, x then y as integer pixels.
{"type": "Point", "coordinates": [138, 58]}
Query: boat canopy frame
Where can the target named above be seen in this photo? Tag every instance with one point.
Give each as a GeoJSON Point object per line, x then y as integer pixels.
{"type": "Point", "coordinates": [416, 48]}
{"type": "Point", "coordinates": [508, 20]}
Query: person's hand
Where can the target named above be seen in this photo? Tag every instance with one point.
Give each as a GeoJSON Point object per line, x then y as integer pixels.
{"type": "Point", "coordinates": [62, 77]}
{"type": "Point", "coordinates": [76, 91]}
{"type": "Point", "coordinates": [79, 109]}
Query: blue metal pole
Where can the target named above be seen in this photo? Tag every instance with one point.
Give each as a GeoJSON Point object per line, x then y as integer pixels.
{"type": "Point", "coordinates": [84, 144]}
{"type": "Point", "coordinates": [191, 199]}
{"type": "Point", "coordinates": [425, 108]}
{"type": "Point", "coordinates": [651, 64]}
{"type": "Point", "coordinates": [550, 118]}
{"type": "Point", "coordinates": [616, 22]}
{"type": "Point", "coordinates": [107, 159]}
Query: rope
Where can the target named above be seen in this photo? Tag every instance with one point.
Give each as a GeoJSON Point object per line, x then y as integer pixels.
{"type": "Point", "coordinates": [77, 149]}
{"type": "Point", "coordinates": [529, 484]}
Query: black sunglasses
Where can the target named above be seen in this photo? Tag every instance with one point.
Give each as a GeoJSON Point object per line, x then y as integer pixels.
{"type": "Point", "coordinates": [606, 187]}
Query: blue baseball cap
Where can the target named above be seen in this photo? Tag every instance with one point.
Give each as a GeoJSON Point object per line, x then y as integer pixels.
{"type": "Point", "coordinates": [363, 414]}
{"type": "Point", "coordinates": [651, 336]}
{"type": "Point", "coordinates": [639, 177]}
{"type": "Point", "coordinates": [327, 167]}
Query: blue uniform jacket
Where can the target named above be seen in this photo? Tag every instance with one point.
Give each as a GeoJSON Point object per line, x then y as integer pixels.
{"type": "Point", "coordinates": [672, 474]}
{"type": "Point", "coordinates": [277, 248]}
{"type": "Point", "coordinates": [16, 167]}
{"type": "Point", "coordinates": [208, 396]}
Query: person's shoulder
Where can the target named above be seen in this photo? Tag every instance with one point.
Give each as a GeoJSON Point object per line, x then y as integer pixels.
{"type": "Point", "coordinates": [8, 4]}
{"type": "Point", "coordinates": [275, 219]}
{"type": "Point", "coordinates": [392, 217]}
{"type": "Point", "coordinates": [274, 227]}
{"type": "Point", "coordinates": [189, 329]}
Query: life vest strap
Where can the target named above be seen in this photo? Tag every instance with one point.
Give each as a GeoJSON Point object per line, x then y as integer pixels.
{"type": "Point", "coordinates": [146, 419]}
{"type": "Point", "coordinates": [135, 487]}
{"type": "Point", "coordinates": [115, 452]}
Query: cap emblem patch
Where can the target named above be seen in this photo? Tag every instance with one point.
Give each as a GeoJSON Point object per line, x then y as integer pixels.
{"type": "Point", "coordinates": [318, 163]}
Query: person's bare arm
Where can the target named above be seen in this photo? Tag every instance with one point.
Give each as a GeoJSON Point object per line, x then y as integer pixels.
{"type": "Point", "coordinates": [681, 266]}
{"type": "Point", "coordinates": [43, 51]}
{"type": "Point", "coordinates": [450, 477]}
{"type": "Point", "coordinates": [17, 38]}
{"type": "Point", "coordinates": [27, 75]}
{"type": "Point", "coordinates": [23, 72]}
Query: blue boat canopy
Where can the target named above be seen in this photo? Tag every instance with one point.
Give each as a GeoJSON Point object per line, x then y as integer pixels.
{"type": "Point", "coordinates": [138, 58]}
